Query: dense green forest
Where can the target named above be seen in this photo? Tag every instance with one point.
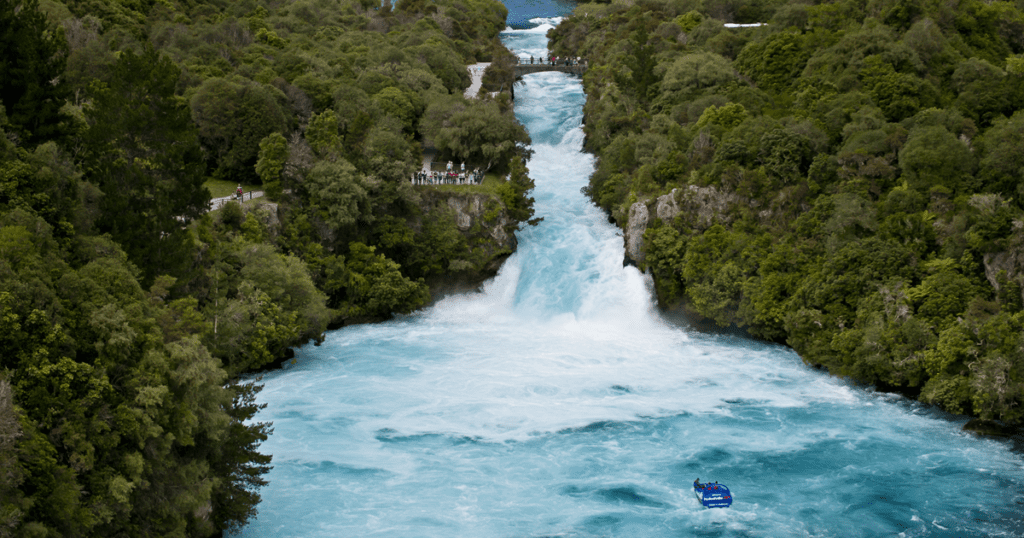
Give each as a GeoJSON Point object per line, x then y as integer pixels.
{"type": "Point", "coordinates": [129, 312]}
{"type": "Point", "coordinates": [847, 179]}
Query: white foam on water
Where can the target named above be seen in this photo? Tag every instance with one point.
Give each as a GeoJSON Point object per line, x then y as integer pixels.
{"type": "Point", "coordinates": [557, 402]}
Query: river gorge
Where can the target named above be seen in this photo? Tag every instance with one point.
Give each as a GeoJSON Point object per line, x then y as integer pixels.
{"type": "Point", "coordinates": [558, 401]}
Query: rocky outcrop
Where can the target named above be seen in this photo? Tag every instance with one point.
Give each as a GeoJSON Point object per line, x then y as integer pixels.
{"type": "Point", "coordinates": [265, 212]}
{"type": "Point", "coordinates": [989, 427]}
{"type": "Point", "coordinates": [471, 208]}
{"type": "Point", "coordinates": [702, 207]}
{"type": "Point", "coordinates": [634, 232]}
{"type": "Point", "coordinates": [699, 207]}
{"type": "Point", "coordinates": [1000, 262]}
{"type": "Point", "coordinates": [667, 208]}
{"type": "Point", "coordinates": [1009, 264]}
{"type": "Point", "coordinates": [481, 218]}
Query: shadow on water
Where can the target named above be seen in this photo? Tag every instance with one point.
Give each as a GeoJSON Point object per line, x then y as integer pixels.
{"type": "Point", "coordinates": [339, 469]}
{"type": "Point", "coordinates": [595, 427]}
{"type": "Point", "coordinates": [602, 522]}
{"type": "Point", "coordinates": [682, 318]}
{"type": "Point", "coordinates": [389, 435]}
{"type": "Point", "coordinates": [628, 495]}
{"type": "Point", "coordinates": [716, 530]}
{"type": "Point", "coordinates": [712, 456]}
{"type": "Point", "coordinates": [623, 495]}
{"type": "Point", "coordinates": [699, 326]}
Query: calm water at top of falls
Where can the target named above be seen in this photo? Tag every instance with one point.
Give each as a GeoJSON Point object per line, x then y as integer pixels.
{"type": "Point", "coordinates": [556, 402]}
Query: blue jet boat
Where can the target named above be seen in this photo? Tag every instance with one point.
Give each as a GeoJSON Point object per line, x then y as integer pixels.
{"type": "Point", "coordinates": [713, 495]}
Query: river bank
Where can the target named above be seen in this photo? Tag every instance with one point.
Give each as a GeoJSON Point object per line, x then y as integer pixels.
{"type": "Point", "coordinates": [760, 203]}
{"type": "Point", "coordinates": [557, 401]}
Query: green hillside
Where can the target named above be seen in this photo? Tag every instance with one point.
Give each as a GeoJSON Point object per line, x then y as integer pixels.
{"type": "Point", "coordinates": [129, 312]}
{"type": "Point", "coordinates": [847, 179]}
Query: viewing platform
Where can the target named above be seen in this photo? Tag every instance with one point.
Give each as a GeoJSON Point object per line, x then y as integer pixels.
{"type": "Point", "coordinates": [526, 69]}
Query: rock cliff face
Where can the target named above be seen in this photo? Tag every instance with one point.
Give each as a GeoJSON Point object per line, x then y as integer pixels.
{"type": "Point", "coordinates": [482, 220]}
{"type": "Point", "coordinates": [479, 217]}
{"type": "Point", "coordinates": [667, 208]}
{"type": "Point", "coordinates": [699, 207]}
{"type": "Point", "coordinates": [634, 232]}
{"type": "Point", "coordinates": [265, 212]}
{"type": "Point", "coordinates": [472, 208]}
{"type": "Point", "coordinates": [1007, 266]}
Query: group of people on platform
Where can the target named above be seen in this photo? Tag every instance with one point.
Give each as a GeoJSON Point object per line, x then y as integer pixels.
{"type": "Point", "coordinates": [558, 60]}
{"type": "Point", "coordinates": [448, 177]}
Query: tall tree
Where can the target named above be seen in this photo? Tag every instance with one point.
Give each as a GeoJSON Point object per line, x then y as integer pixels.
{"type": "Point", "coordinates": [273, 156]}
{"type": "Point", "coordinates": [232, 117]}
{"type": "Point", "coordinates": [33, 55]}
{"type": "Point", "coordinates": [516, 193]}
{"type": "Point", "coordinates": [238, 462]}
{"type": "Point", "coordinates": [477, 132]}
{"type": "Point", "coordinates": [642, 78]}
{"type": "Point", "coordinates": [143, 153]}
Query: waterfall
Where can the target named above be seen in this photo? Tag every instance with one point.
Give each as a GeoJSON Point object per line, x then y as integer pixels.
{"type": "Point", "coordinates": [557, 402]}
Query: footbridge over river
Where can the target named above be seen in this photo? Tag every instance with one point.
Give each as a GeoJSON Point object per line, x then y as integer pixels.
{"type": "Point", "coordinates": [526, 69]}
{"type": "Point", "coordinates": [476, 73]}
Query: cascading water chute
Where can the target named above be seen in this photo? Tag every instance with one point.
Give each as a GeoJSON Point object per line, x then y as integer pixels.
{"type": "Point", "coordinates": [557, 402]}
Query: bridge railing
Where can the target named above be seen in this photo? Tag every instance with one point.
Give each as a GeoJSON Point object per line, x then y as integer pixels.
{"type": "Point", "coordinates": [546, 61]}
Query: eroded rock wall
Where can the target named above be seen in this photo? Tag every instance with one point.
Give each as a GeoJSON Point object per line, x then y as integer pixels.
{"type": "Point", "coordinates": [639, 217]}
{"type": "Point", "coordinates": [481, 218]}
{"type": "Point", "coordinates": [698, 207]}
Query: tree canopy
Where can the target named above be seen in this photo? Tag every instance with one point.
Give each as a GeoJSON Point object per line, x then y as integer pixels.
{"type": "Point", "coordinates": [131, 311]}
{"type": "Point", "coordinates": [33, 54]}
{"type": "Point", "coordinates": [845, 179]}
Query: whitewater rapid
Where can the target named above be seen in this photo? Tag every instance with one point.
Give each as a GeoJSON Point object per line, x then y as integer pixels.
{"type": "Point", "coordinates": [558, 402]}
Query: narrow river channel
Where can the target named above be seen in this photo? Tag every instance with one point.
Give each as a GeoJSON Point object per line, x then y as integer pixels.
{"type": "Point", "coordinates": [557, 402]}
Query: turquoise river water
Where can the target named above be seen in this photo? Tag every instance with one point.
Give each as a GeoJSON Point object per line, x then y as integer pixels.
{"type": "Point", "coordinates": [558, 402]}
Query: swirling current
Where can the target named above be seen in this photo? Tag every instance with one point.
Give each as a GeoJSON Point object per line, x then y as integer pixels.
{"type": "Point", "coordinates": [557, 401]}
